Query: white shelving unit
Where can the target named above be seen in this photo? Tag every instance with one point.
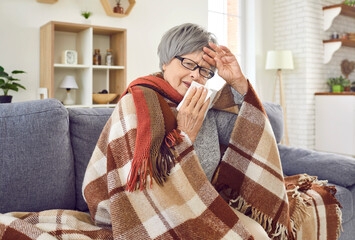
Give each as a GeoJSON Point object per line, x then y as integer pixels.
{"type": "Point", "coordinates": [57, 37]}
{"type": "Point", "coordinates": [335, 118]}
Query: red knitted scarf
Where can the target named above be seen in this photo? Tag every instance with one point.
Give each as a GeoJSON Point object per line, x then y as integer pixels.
{"type": "Point", "coordinates": [156, 131]}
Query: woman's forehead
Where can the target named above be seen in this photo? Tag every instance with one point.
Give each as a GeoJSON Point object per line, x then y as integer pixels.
{"type": "Point", "coordinates": [198, 58]}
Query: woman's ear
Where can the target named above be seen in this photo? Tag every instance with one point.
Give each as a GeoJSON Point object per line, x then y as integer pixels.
{"type": "Point", "coordinates": [164, 67]}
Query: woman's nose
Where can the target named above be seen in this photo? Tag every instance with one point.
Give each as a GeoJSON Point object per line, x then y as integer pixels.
{"type": "Point", "coordinates": [195, 75]}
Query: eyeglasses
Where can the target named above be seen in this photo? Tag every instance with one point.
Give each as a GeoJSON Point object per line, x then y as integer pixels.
{"type": "Point", "coordinates": [191, 65]}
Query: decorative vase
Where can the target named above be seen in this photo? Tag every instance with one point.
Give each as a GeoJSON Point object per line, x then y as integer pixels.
{"type": "Point", "coordinates": [118, 9]}
{"type": "Point", "coordinates": [86, 21]}
{"type": "Point", "coordinates": [336, 88]}
{"type": "Point", "coordinates": [5, 99]}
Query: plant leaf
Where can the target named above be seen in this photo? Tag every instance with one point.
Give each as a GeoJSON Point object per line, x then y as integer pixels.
{"type": "Point", "coordinates": [13, 79]}
{"type": "Point", "coordinates": [4, 74]}
{"type": "Point", "coordinates": [11, 86]}
{"type": "Point", "coordinates": [19, 85]}
{"type": "Point", "coordinates": [18, 71]}
{"type": "Point", "coordinates": [1, 69]}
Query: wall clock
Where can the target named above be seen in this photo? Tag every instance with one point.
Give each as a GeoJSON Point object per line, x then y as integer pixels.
{"type": "Point", "coordinates": [70, 57]}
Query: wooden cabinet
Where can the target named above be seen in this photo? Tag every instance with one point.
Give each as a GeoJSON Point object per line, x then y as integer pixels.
{"type": "Point", "coordinates": [335, 123]}
{"type": "Point", "coordinates": [56, 37]}
{"type": "Point", "coordinates": [329, 14]}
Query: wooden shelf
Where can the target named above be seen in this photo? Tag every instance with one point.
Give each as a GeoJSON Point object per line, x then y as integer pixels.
{"type": "Point", "coordinates": [344, 9]}
{"type": "Point", "coordinates": [60, 65]}
{"type": "Point", "coordinates": [335, 94]}
{"type": "Point", "coordinates": [56, 37]}
{"type": "Point", "coordinates": [330, 13]}
{"type": "Point", "coordinates": [109, 8]}
{"type": "Point", "coordinates": [107, 67]}
{"type": "Point", "coordinates": [344, 42]}
{"type": "Point", "coordinates": [331, 46]}
{"type": "Point", "coordinates": [47, 1]}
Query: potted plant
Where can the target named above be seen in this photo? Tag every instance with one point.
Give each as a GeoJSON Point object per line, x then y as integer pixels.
{"type": "Point", "coordinates": [346, 85]}
{"type": "Point", "coordinates": [86, 14]}
{"type": "Point", "coordinates": [337, 84]}
{"type": "Point", "coordinates": [352, 87]}
{"type": "Point", "coordinates": [8, 82]}
{"type": "Point", "coordinates": [334, 85]}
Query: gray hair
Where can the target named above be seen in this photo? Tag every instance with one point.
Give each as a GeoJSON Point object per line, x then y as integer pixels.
{"type": "Point", "coordinates": [183, 39]}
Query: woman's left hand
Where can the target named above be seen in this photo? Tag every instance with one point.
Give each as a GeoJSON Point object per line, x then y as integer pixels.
{"type": "Point", "coordinates": [227, 66]}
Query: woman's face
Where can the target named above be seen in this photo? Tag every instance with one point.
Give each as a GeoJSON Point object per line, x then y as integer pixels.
{"type": "Point", "coordinates": [179, 77]}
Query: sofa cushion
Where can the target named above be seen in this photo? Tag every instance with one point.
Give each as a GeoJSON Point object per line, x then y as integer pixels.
{"type": "Point", "coordinates": [85, 128]}
{"type": "Point", "coordinates": [345, 198]}
{"type": "Point", "coordinates": [275, 115]}
{"type": "Point", "coordinates": [36, 160]}
{"type": "Point", "coordinates": [335, 168]}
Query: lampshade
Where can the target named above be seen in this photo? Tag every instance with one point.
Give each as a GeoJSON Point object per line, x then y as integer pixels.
{"type": "Point", "coordinates": [279, 60]}
{"type": "Point", "coordinates": [69, 82]}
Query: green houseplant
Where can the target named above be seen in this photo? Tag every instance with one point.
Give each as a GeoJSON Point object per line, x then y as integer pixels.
{"type": "Point", "coordinates": [337, 84]}
{"type": "Point", "coordinates": [352, 87]}
{"type": "Point", "coordinates": [86, 14]}
{"type": "Point", "coordinates": [9, 82]}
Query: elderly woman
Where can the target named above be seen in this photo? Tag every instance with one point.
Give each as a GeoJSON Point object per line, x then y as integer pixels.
{"type": "Point", "coordinates": [188, 53]}
{"type": "Point", "coordinates": [150, 174]}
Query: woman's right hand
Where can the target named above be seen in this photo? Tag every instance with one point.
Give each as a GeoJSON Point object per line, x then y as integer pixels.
{"type": "Point", "coordinates": [191, 114]}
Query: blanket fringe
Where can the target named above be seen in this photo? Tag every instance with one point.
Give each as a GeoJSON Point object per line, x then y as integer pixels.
{"type": "Point", "coordinates": [281, 232]}
{"type": "Point", "coordinates": [164, 160]}
{"type": "Point", "coordinates": [300, 212]}
{"type": "Point", "coordinates": [305, 178]}
{"type": "Point", "coordinates": [340, 220]}
{"type": "Point", "coordinates": [158, 164]}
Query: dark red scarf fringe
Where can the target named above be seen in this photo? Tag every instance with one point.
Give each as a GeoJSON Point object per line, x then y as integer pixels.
{"type": "Point", "coordinates": [154, 158]}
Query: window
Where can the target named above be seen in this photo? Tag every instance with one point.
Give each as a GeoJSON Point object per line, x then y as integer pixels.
{"type": "Point", "coordinates": [225, 20]}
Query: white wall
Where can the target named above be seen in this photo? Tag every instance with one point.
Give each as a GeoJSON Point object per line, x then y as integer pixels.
{"type": "Point", "coordinates": [264, 41]}
{"type": "Point", "coordinates": [20, 21]}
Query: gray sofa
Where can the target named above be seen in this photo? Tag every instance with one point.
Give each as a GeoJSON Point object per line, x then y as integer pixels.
{"type": "Point", "coordinates": [45, 148]}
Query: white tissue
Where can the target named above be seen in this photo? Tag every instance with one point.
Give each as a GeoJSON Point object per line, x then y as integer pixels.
{"type": "Point", "coordinates": [210, 94]}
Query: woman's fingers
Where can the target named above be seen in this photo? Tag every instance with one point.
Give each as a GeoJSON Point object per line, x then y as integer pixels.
{"type": "Point", "coordinates": [209, 59]}
{"type": "Point", "coordinates": [197, 97]}
{"type": "Point", "coordinates": [189, 97]}
{"type": "Point", "coordinates": [217, 49]}
{"type": "Point", "coordinates": [190, 116]}
{"type": "Point", "coordinates": [200, 100]}
{"type": "Point", "coordinates": [225, 49]}
{"type": "Point", "coordinates": [209, 52]}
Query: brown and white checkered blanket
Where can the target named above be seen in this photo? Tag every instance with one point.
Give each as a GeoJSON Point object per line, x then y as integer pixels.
{"type": "Point", "coordinates": [187, 205]}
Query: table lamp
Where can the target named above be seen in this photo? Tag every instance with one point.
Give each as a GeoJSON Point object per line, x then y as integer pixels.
{"type": "Point", "coordinates": [280, 60]}
{"type": "Point", "coordinates": [69, 83]}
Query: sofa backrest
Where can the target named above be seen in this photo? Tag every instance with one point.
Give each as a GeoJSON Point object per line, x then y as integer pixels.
{"type": "Point", "coordinates": [36, 160]}
{"type": "Point", "coordinates": [275, 115]}
{"type": "Point", "coordinates": [44, 152]}
{"type": "Point", "coordinates": [85, 128]}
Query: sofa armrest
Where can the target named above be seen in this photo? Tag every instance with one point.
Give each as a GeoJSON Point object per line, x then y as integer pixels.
{"type": "Point", "coordinates": [327, 166]}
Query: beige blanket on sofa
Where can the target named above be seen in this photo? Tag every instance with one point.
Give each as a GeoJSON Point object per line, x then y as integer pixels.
{"type": "Point", "coordinates": [187, 205]}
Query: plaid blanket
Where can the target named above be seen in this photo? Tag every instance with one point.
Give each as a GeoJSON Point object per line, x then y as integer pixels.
{"type": "Point", "coordinates": [185, 205]}
{"type": "Point", "coordinates": [51, 224]}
